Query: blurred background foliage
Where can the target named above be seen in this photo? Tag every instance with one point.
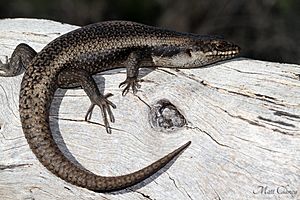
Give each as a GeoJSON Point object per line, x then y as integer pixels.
{"type": "Point", "coordinates": [265, 29]}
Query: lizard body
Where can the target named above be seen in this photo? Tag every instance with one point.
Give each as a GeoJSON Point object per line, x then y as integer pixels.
{"type": "Point", "coordinates": [70, 61]}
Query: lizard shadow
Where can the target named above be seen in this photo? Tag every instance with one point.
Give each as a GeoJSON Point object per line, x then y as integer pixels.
{"type": "Point", "coordinates": [54, 119]}
{"type": "Point", "coordinates": [120, 70]}
{"type": "Point", "coordinates": [147, 180]}
{"type": "Point", "coordinates": [54, 126]}
{"type": "Point", "coordinates": [55, 129]}
{"type": "Point", "coordinates": [100, 81]}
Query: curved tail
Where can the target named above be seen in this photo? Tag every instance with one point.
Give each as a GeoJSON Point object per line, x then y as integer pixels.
{"type": "Point", "coordinates": [35, 99]}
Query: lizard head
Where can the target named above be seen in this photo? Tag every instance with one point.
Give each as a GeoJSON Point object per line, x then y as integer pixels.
{"type": "Point", "coordinates": [195, 53]}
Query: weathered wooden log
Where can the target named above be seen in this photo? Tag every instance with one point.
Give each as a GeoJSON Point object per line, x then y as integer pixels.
{"type": "Point", "coordinates": [242, 116]}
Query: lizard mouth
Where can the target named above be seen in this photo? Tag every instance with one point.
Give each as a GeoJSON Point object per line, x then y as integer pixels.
{"type": "Point", "coordinates": [229, 53]}
{"type": "Point", "coordinates": [221, 49]}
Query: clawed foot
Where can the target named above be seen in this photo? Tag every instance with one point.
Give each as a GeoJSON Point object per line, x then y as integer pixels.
{"type": "Point", "coordinates": [6, 61]}
{"type": "Point", "coordinates": [11, 67]}
{"type": "Point", "coordinates": [130, 83]}
{"type": "Point", "coordinates": [104, 105]}
{"type": "Point", "coordinates": [4, 66]}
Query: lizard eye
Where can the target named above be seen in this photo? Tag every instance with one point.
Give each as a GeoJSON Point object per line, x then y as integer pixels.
{"type": "Point", "coordinates": [220, 46]}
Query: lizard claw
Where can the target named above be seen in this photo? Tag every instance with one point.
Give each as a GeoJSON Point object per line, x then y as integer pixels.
{"type": "Point", "coordinates": [5, 62]}
{"type": "Point", "coordinates": [4, 66]}
{"type": "Point", "coordinates": [130, 82]}
{"type": "Point", "coordinates": [104, 104]}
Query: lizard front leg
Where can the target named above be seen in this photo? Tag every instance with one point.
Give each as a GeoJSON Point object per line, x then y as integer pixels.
{"type": "Point", "coordinates": [132, 71]}
{"type": "Point", "coordinates": [74, 78]}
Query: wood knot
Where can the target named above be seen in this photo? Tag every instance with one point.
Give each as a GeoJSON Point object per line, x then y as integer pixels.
{"type": "Point", "coordinates": [164, 116]}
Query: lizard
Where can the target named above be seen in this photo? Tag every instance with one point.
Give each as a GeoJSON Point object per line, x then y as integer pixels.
{"type": "Point", "coordinates": [70, 61]}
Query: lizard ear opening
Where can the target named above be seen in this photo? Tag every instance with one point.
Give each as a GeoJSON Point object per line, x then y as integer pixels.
{"type": "Point", "coordinates": [188, 52]}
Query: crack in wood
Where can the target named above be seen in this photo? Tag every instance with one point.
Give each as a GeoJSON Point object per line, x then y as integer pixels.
{"type": "Point", "coordinates": [243, 72]}
{"type": "Point", "coordinates": [35, 34]}
{"type": "Point", "coordinates": [282, 132]}
{"type": "Point", "coordinates": [255, 123]}
{"type": "Point", "coordinates": [81, 120]}
{"type": "Point", "coordinates": [283, 113]}
{"type": "Point", "coordinates": [277, 122]}
{"type": "Point", "coordinates": [174, 183]}
{"type": "Point", "coordinates": [168, 72]}
{"type": "Point", "coordinates": [144, 195]}
{"type": "Point", "coordinates": [4, 167]}
{"type": "Point", "coordinates": [265, 96]}
{"type": "Point", "coordinates": [143, 101]}
{"type": "Point", "coordinates": [261, 97]}
{"type": "Point", "coordinates": [213, 139]}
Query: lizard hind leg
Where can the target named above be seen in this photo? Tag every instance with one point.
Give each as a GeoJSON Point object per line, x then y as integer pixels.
{"type": "Point", "coordinates": [20, 59]}
{"type": "Point", "coordinates": [74, 78]}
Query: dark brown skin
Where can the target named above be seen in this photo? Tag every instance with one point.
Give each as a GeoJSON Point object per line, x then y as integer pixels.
{"type": "Point", "coordinates": [72, 59]}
